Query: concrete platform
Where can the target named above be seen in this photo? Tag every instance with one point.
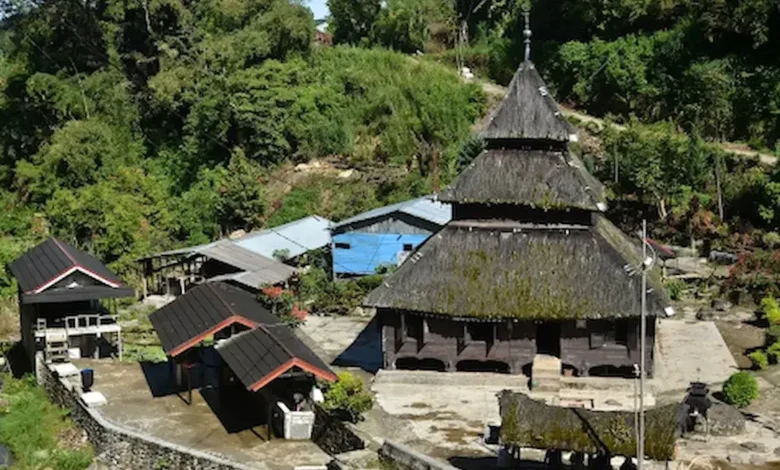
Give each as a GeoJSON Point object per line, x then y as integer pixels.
{"type": "Point", "coordinates": [129, 389]}
{"type": "Point", "coordinates": [691, 351]}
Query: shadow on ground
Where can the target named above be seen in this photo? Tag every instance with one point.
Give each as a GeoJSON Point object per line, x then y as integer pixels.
{"type": "Point", "coordinates": [161, 376]}
{"type": "Point", "coordinates": [237, 409]}
{"type": "Point", "coordinates": [489, 463]}
{"type": "Point", "coordinates": [365, 352]}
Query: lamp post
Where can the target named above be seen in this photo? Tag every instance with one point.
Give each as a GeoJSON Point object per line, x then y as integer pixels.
{"type": "Point", "coordinates": [647, 264]}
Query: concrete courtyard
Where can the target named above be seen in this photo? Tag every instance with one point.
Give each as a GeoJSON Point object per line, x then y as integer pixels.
{"type": "Point", "coordinates": [445, 414]}
{"type": "Point", "coordinates": [138, 399]}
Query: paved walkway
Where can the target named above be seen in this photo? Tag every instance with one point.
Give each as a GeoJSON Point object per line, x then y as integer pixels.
{"type": "Point", "coordinates": [691, 351]}
{"type": "Point", "coordinates": [139, 398]}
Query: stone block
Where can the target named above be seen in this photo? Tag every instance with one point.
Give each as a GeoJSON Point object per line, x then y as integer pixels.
{"type": "Point", "coordinates": [93, 399]}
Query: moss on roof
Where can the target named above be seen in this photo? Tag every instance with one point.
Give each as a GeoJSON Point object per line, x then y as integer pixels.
{"type": "Point", "coordinates": [530, 273]}
{"type": "Point", "coordinates": [529, 423]}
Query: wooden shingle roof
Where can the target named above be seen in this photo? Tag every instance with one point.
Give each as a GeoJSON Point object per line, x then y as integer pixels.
{"type": "Point", "coordinates": [528, 111]}
{"type": "Point", "coordinates": [522, 271]}
{"type": "Point", "coordinates": [259, 356]}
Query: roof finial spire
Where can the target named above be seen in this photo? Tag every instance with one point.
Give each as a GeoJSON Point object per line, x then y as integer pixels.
{"type": "Point", "coordinates": [527, 31]}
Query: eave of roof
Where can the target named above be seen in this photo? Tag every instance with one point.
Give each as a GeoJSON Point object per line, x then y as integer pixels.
{"type": "Point", "coordinates": [77, 294]}
{"type": "Point", "coordinates": [521, 272]}
{"type": "Point", "coordinates": [425, 208]}
{"type": "Point", "coordinates": [49, 262]}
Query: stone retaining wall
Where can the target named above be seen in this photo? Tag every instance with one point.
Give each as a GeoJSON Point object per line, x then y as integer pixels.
{"type": "Point", "coordinates": [334, 436]}
{"type": "Point", "coordinates": [123, 448]}
{"type": "Point", "coordinates": [409, 459]}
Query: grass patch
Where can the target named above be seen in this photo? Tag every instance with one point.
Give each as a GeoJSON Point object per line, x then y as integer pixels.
{"type": "Point", "coordinates": [39, 433]}
{"type": "Point", "coordinates": [140, 341]}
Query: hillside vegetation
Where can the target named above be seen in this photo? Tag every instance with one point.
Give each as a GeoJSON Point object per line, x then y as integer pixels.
{"type": "Point", "coordinates": [680, 76]}
{"type": "Point", "coordinates": [133, 126]}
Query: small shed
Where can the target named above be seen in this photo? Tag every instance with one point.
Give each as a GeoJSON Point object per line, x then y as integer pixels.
{"type": "Point", "coordinates": [176, 271]}
{"type": "Point", "coordinates": [255, 351]}
{"type": "Point", "coordinates": [64, 302]}
{"type": "Point", "coordinates": [385, 236]}
{"type": "Point", "coordinates": [528, 423]}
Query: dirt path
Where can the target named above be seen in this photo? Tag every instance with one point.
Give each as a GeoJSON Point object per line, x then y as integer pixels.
{"type": "Point", "coordinates": [493, 90]}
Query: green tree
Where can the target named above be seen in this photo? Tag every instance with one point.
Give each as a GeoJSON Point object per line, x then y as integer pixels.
{"type": "Point", "coordinates": [351, 21]}
{"type": "Point", "coordinates": [240, 205]}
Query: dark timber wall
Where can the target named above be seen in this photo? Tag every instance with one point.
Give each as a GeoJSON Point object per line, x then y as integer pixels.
{"type": "Point", "coordinates": [597, 347]}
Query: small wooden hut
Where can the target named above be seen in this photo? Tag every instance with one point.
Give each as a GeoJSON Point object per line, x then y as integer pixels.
{"type": "Point", "coordinates": [528, 264]}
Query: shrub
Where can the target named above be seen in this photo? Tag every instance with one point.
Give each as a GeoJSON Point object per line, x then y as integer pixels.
{"type": "Point", "coordinates": [759, 360]}
{"type": "Point", "coordinates": [774, 331]}
{"type": "Point", "coordinates": [31, 427]}
{"type": "Point", "coordinates": [675, 288]}
{"type": "Point", "coordinates": [348, 398]}
{"type": "Point", "coordinates": [773, 351]}
{"type": "Point", "coordinates": [771, 310]}
{"type": "Point", "coordinates": [740, 389]}
{"type": "Point", "coordinates": [771, 240]}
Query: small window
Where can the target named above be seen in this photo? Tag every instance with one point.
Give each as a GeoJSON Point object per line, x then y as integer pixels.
{"type": "Point", "coordinates": [342, 246]}
{"type": "Point", "coordinates": [408, 247]}
{"type": "Point", "coordinates": [480, 331]}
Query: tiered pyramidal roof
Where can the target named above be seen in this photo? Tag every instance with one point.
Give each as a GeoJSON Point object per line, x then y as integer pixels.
{"type": "Point", "coordinates": [527, 161]}
{"type": "Point", "coordinates": [528, 239]}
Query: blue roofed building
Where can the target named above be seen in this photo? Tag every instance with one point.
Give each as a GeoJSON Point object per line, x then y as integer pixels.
{"type": "Point", "coordinates": [385, 236]}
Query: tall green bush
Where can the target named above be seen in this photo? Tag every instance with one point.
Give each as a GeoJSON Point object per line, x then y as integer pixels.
{"type": "Point", "coordinates": [740, 389]}
{"type": "Point", "coordinates": [348, 397]}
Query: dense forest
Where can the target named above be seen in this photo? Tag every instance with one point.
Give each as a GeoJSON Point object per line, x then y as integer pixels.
{"type": "Point", "coordinates": [137, 125]}
{"type": "Point", "coordinates": [132, 126]}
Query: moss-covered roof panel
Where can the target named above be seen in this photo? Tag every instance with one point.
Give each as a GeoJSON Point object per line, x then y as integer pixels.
{"type": "Point", "coordinates": [528, 111]}
{"type": "Point", "coordinates": [545, 179]}
{"type": "Point", "coordinates": [523, 273]}
{"type": "Point", "coordinates": [529, 423]}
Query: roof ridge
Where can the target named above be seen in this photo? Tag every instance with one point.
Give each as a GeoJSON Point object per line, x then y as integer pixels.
{"type": "Point", "coordinates": [236, 336]}
{"type": "Point", "coordinates": [64, 251]}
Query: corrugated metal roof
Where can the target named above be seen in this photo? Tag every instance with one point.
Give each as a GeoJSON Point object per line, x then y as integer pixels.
{"type": "Point", "coordinates": [253, 279]}
{"type": "Point", "coordinates": [425, 208]}
{"type": "Point", "coordinates": [298, 237]}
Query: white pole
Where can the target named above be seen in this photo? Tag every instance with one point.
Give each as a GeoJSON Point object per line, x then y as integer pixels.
{"type": "Point", "coordinates": [642, 346]}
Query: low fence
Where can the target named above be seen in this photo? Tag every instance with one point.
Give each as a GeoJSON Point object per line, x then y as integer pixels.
{"type": "Point", "coordinates": [123, 448]}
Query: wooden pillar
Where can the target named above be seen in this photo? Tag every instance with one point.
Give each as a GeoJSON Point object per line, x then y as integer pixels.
{"type": "Point", "coordinates": [461, 338]}
{"type": "Point", "coordinates": [119, 344]}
